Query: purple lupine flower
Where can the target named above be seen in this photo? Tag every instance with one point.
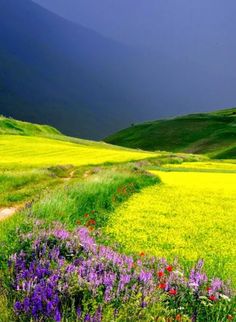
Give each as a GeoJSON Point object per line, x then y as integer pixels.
{"type": "Point", "coordinates": [57, 316]}
{"type": "Point", "coordinates": [59, 260]}
{"type": "Point", "coordinates": [18, 306]}
{"type": "Point", "coordinates": [87, 317]}
{"type": "Point", "coordinates": [197, 278]}
{"type": "Point", "coordinates": [145, 276]}
{"type": "Point", "coordinates": [79, 312]}
{"type": "Point", "coordinates": [216, 285]}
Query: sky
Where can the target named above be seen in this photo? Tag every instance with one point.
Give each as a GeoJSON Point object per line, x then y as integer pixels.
{"type": "Point", "coordinates": [143, 22]}
{"type": "Point", "coordinates": [199, 32]}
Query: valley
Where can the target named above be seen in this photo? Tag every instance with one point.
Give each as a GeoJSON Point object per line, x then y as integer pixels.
{"type": "Point", "coordinates": [164, 210]}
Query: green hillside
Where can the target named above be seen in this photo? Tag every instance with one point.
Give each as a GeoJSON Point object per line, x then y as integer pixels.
{"type": "Point", "coordinates": [213, 134]}
{"type": "Point", "coordinates": [14, 127]}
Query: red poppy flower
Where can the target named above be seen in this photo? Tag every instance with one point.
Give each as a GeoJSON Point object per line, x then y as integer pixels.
{"type": "Point", "coordinates": [172, 292]}
{"type": "Point", "coordinates": [212, 298]}
{"type": "Point", "coordinates": [169, 268]}
{"type": "Point", "coordinates": [178, 317]}
{"type": "Point", "coordinates": [162, 286]}
{"type": "Point", "coordinates": [92, 222]}
{"type": "Point", "coordinates": [142, 254]}
{"type": "Point", "coordinates": [86, 215]}
{"type": "Point", "coordinates": [160, 274]}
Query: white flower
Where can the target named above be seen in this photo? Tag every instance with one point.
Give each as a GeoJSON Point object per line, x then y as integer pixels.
{"type": "Point", "coordinates": [225, 297]}
{"type": "Point", "coordinates": [178, 273]}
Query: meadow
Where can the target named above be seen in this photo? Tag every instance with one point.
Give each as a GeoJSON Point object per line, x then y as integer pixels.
{"type": "Point", "coordinates": [213, 134]}
{"type": "Point", "coordinates": [31, 164]}
{"type": "Point", "coordinates": [100, 227]}
{"type": "Point", "coordinates": [190, 215]}
{"type": "Point", "coordinates": [26, 151]}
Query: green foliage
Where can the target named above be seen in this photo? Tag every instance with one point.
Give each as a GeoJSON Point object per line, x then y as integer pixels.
{"type": "Point", "coordinates": [93, 199]}
{"type": "Point", "coordinates": [213, 134]}
{"type": "Point", "coordinates": [18, 186]}
{"type": "Point", "coordinates": [11, 126]}
{"type": "Point", "coordinates": [97, 195]}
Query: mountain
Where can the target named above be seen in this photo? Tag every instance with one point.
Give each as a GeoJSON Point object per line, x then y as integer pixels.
{"type": "Point", "coordinates": [206, 133]}
{"type": "Point", "coordinates": [57, 72]}
{"type": "Point", "coordinates": [187, 60]}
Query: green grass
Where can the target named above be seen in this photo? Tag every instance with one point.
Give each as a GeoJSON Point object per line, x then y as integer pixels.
{"type": "Point", "coordinates": [95, 191]}
{"type": "Point", "coordinates": [38, 157]}
{"type": "Point", "coordinates": [21, 185]}
{"type": "Point", "coordinates": [96, 194]}
{"type": "Point", "coordinates": [213, 134]}
{"type": "Point", "coordinates": [15, 127]}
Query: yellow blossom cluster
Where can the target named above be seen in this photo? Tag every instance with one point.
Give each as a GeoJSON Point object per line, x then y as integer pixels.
{"type": "Point", "coordinates": [190, 215]}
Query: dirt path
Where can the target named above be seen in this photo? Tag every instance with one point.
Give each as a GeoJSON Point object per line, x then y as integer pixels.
{"type": "Point", "coordinates": [7, 212]}
{"type": "Point", "coordinates": [71, 175]}
{"type": "Point", "coordinates": [10, 211]}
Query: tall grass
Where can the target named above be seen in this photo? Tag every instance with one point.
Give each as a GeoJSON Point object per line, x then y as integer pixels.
{"type": "Point", "coordinates": [99, 195]}
{"type": "Point", "coordinates": [96, 197]}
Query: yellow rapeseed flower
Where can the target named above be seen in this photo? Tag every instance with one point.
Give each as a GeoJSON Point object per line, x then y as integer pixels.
{"type": "Point", "coordinates": [190, 215]}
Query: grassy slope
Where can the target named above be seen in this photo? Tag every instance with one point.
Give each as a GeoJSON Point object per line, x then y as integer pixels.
{"type": "Point", "coordinates": [14, 127]}
{"type": "Point", "coordinates": [24, 151]}
{"type": "Point", "coordinates": [24, 144]}
{"type": "Point", "coordinates": [209, 133]}
{"type": "Point", "coordinates": [34, 157]}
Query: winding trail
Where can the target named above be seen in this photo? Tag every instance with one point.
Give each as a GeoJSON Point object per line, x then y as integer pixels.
{"type": "Point", "coordinates": [8, 212]}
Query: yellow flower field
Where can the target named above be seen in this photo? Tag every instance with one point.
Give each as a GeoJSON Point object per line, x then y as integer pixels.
{"type": "Point", "coordinates": [190, 215]}
{"type": "Point", "coordinates": [37, 151]}
{"type": "Point", "coordinates": [224, 165]}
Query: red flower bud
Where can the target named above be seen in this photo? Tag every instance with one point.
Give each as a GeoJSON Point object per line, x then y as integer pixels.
{"type": "Point", "coordinates": [178, 317]}
{"type": "Point", "coordinates": [172, 292]}
{"type": "Point", "coordinates": [169, 268]}
{"type": "Point", "coordinates": [162, 286]}
{"type": "Point", "coordinates": [160, 274]}
{"type": "Point", "coordinates": [212, 298]}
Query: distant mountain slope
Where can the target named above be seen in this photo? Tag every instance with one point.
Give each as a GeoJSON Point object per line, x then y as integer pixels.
{"type": "Point", "coordinates": [11, 127]}
{"type": "Point", "coordinates": [208, 133]}
{"type": "Point", "coordinates": [55, 72]}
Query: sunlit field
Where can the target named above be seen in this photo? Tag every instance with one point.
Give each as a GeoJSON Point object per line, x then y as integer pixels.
{"type": "Point", "coordinates": [36, 151]}
{"type": "Point", "coordinates": [190, 215]}
{"type": "Point", "coordinates": [210, 166]}
{"type": "Point", "coordinates": [72, 192]}
{"type": "Point", "coordinates": [27, 163]}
